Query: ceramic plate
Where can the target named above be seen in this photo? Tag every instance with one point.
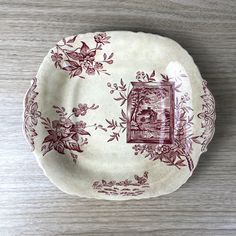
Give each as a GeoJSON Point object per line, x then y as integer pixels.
{"type": "Point", "coordinates": [118, 115]}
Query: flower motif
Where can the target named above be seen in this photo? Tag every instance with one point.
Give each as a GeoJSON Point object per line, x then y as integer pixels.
{"type": "Point", "coordinates": [136, 147]}
{"type": "Point", "coordinates": [55, 138]}
{"type": "Point", "coordinates": [61, 129]}
{"type": "Point", "coordinates": [81, 110]}
{"type": "Point", "coordinates": [163, 149]}
{"type": "Point", "coordinates": [183, 99]}
{"type": "Point", "coordinates": [187, 98]}
{"type": "Point", "coordinates": [66, 122]}
{"type": "Point", "coordinates": [31, 114]}
{"type": "Point", "coordinates": [180, 124]}
{"type": "Point", "coordinates": [141, 180]}
{"type": "Point", "coordinates": [86, 55]}
{"type": "Point", "coordinates": [81, 124]}
{"type": "Point", "coordinates": [90, 71]}
{"type": "Point", "coordinates": [82, 59]}
{"type": "Point", "coordinates": [78, 129]}
{"type": "Point", "coordinates": [34, 113]}
{"type": "Point", "coordinates": [64, 133]}
{"type": "Point", "coordinates": [101, 38]}
{"type": "Point", "coordinates": [57, 58]}
{"type": "Point", "coordinates": [98, 66]}
{"type": "Point", "coordinates": [150, 148]}
{"type": "Point", "coordinates": [140, 75]}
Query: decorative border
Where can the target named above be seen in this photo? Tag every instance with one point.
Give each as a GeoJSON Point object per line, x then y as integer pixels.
{"type": "Point", "coordinates": [124, 188]}
{"type": "Point", "coordinates": [208, 117]}
{"type": "Point", "coordinates": [83, 59]}
{"type": "Point", "coordinates": [31, 114]}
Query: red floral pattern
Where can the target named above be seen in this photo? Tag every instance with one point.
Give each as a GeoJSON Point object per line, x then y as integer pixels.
{"type": "Point", "coordinates": [208, 117]}
{"type": "Point", "coordinates": [176, 154]}
{"type": "Point", "coordinates": [65, 134]}
{"type": "Point", "coordinates": [31, 114]}
{"type": "Point", "coordinates": [124, 188]}
{"type": "Point", "coordinates": [80, 60]}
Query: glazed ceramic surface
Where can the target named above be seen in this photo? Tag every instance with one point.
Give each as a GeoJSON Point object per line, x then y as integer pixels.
{"type": "Point", "coordinates": [118, 115]}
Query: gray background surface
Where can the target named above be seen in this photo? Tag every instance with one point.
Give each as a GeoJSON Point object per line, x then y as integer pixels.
{"type": "Point", "coordinates": [31, 205]}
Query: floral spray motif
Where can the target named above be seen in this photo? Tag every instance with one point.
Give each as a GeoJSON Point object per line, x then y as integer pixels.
{"type": "Point", "coordinates": [66, 134]}
{"type": "Point", "coordinates": [82, 60]}
{"type": "Point", "coordinates": [150, 111]}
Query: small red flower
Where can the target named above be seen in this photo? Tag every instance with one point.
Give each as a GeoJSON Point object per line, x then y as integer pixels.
{"type": "Point", "coordinates": [81, 124]}
{"type": "Point", "coordinates": [34, 113]}
{"type": "Point", "coordinates": [66, 122]}
{"type": "Point", "coordinates": [90, 71]}
{"type": "Point", "coordinates": [101, 38]}
{"type": "Point", "coordinates": [98, 65]}
{"type": "Point", "coordinates": [162, 149]}
{"type": "Point", "coordinates": [140, 75]}
{"type": "Point", "coordinates": [81, 110]}
{"type": "Point", "coordinates": [56, 57]}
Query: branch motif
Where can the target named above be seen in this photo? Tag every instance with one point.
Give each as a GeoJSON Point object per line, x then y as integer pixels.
{"type": "Point", "coordinates": [176, 154]}
{"type": "Point", "coordinates": [65, 134]}
{"type": "Point", "coordinates": [83, 58]}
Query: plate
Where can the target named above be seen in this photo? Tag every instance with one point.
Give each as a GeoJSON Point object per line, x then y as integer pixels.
{"type": "Point", "coordinates": [118, 115]}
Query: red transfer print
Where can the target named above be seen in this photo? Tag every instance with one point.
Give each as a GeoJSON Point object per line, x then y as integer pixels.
{"type": "Point", "coordinates": [124, 188]}
{"type": "Point", "coordinates": [31, 114]}
{"type": "Point", "coordinates": [65, 134]}
{"type": "Point", "coordinates": [150, 112]}
{"type": "Point", "coordinates": [208, 117]}
{"type": "Point", "coordinates": [83, 59]}
{"type": "Point", "coordinates": [158, 119]}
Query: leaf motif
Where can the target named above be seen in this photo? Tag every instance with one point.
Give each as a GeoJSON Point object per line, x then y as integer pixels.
{"type": "Point", "coordinates": [109, 122]}
{"type": "Point", "coordinates": [68, 68]}
{"type": "Point", "coordinates": [191, 118]}
{"type": "Point", "coordinates": [72, 146]}
{"type": "Point", "coordinates": [84, 49]}
{"type": "Point", "coordinates": [74, 55]}
{"type": "Point", "coordinates": [136, 177]}
{"type": "Point", "coordinates": [178, 86]}
{"type": "Point", "coordinates": [180, 163]}
{"type": "Point", "coordinates": [123, 114]}
{"type": "Point", "coordinates": [122, 95]}
{"type": "Point", "coordinates": [196, 139]}
{"type": "Point", "coordinates": [153, 73]}
{"type": "Point", "coordinates": [78, 71]}
{"type": "Point", "coordinates": [72, 40]}
{"type": "Point", "coordinates": [110, 56]}
{"type": "Point", "coordinates": [190, 108]}
{"type": "Point", "coordinates": [118, 99]}
{"type": "Point", "coordinates": [104, 56]}
{"type": "Point", "coordinates": [49, 138]}
{"type": "Point", "coordinates": [83, 132]}
{"type": "Point", "coordinates": [111, 139]}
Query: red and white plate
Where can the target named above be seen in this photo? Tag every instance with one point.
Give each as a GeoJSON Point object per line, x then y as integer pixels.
{"type": "Point", "coordinates": [118, 115]}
